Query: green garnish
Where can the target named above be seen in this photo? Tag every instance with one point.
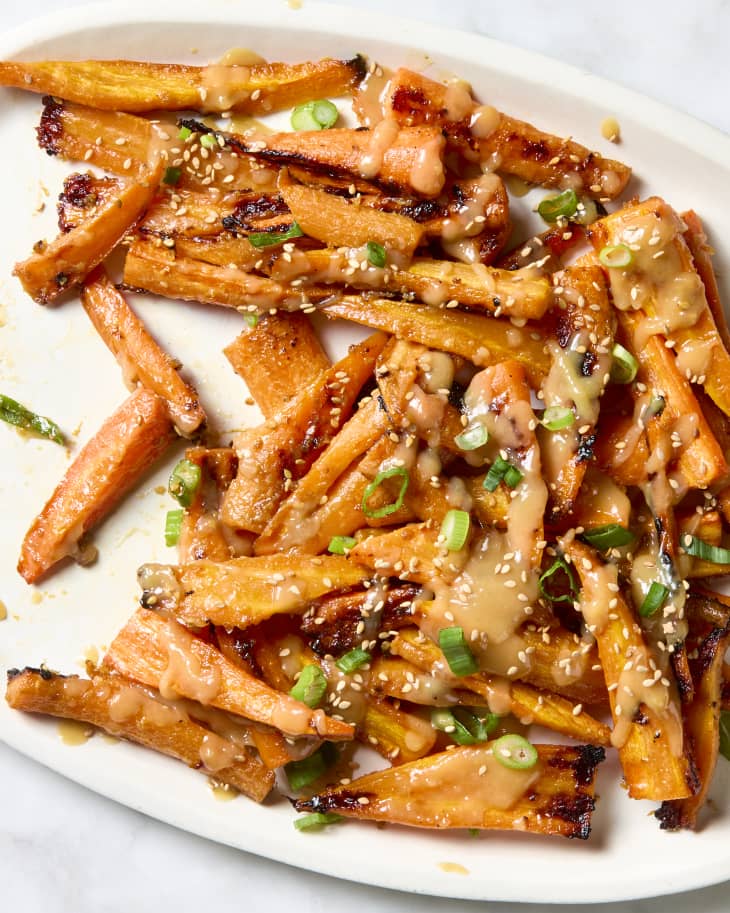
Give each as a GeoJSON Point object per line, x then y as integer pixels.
{"type": "Point", "coordinates": [269, 238]}
{"type": "Point", "coordinates": [515, 752]}
{"type": "Point", "coordinates": [697, 548]}
{"type": "Point", "coordinates": [310, 686]}
{"type": "Point", "coordinates": [654, 599]}
{"type": "Point", "coordinates": [184, 482]}
{"type": "Point", "coordinates": [16, 414]}
{"type": "Point", "coordinates": [465, 725]}
{"type": "Point", "coordinates": [458, 655]}
{"type": "Point", "coordinates": [184, 133]}
{"type": "Point", "coordinates": [316, 820]}
{"type": "Point", "coordinates": [376, 254]}
{"type": "Point", "coordinates": [455, 529]}
{"type": "Point", "coordinates": [208, 141]}
{"type": "Point", "coordinates": [616, 256]}
{"type": "Point", "coordinates": [353, 660]}
{"type": "Point", "coordinates": [171, 175]}
{"type": "Point", "coordinates": [251, 320]}
{"type": "Point", "coordinates": [612, 535]}
{"type": "Point", "coordinates": [472, 438]}
{"type": "Point", "coordinates": [623, 366]}
{"type": "Point", "coordinates": [173, 526]}
{"type": "Point", "coordinates": [302, 773]}
{"type": "Point", "coordinates": [564, 205]}
{"type": "Point", "coordinates": [373, 486]}
{"type": "Point", "coordinates": [340, 545]}
{"type": "Point", "coordinates": [560, 565]}
{"type": "Point", "coordinates": [502, 471]}
{"type": "Point", "coordinates": [314, 115]}
{"type": "Point", "coordinates": [555, 418]}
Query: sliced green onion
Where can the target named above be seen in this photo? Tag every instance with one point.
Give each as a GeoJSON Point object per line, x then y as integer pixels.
{"type": "Point", "coordinates": [310, 686]}
{"type": "Point", "coordinates": [269, 238]}
{"type": "Point", "coordinates": [314, 115]}
{"type": "Point", "coordinates": [302, 773]}
{"type": "Point", "coordinates": [556, 417]}
{"type": "Point", "coordinates": [251, 320]}
{"type": "Point", "coordinates": [172, 175]}
{"type": "Point", "coordinates": [184, 133]}
{"type": "Point", "coordinates": [340, 545]}
{"type": "Point", "coordinates": [184, 482]}
{"type": "Point", "coordinates": [656, 406]}
{"type": "Point", "coordinates": [623, 366]}
{"type": "Point", "coordinates": [458, 655]}
{"type": "Point", "coordinates": [208, 141]}
{"type": "Point", "coordinates": [16, 414]}
{"type": "Point", "coordinates": [353, 660]}
{"type": "Point", "coordinates": [586, 212]}
{"type": "Point", "coordinates": [466, 726]}
{"type": "Point", "coordinates": [515, 752]}
{"type": "Point", "coordinates": [563, 205]}
{"type": "Point", "coordinates": [616, 256]}
{"type": "Point", "coordinates": [700, 549]}
{"type": "Point", "coordinates": [472, 438]}
{"type": "Point", "coordinates": [654, 599]}
{"type": "Point", "coordinates": [373, 486]}
{"type": "Point", "coordinates": [173, 525]}
{"type": "Point", "coordinates": [502, 471]}
{"type": "Point", "coordinates": [376, 254]}
{"type": "Point", "coordinates": [316, 820]}
{"type": "Point", "coordinates": [612, 535]}
{"type": "Point", "coordinates": [455, 529]}
{"type": "Point", "coordinates": [559, 565]}
{"type": "Point", "coordinates": [725, 734]}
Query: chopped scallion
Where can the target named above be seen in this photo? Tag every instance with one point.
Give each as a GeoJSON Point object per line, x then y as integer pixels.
{"type": "Point", "coordinates": [370, 489]}
{"type": "Point", "coordinates": [184, 482]}
{"type": "Point", "coordinates": [564, 205]}
{"type": "Point", "coordinates": [515, 752]}
{"type": "Point", "coordinates": [472, 438]}
{"type": "Point", "coordinates": [557, 417]}
{"type": "Point", "coordinates": [560, 565]}
{"type": "Point", "coordinates": [315, 115]}
{"type": "Point", "coordinates": [656, 406]}
{"type": "Point", "coordinates": [316, 820]}
{"type": "Point", "coordinates": [612, 535]}
{"type": "Point", "coordinates": [654, 599]}
{"type": "Point", "coordinates": [458, 655]}
{"type": "Point", "coordinates": [725, 734]}
{"type": "Point", "coordinates": [353, 660]}
{"type": "Point", "coordinates": [376, 254]}
{"type": "Point", "coordinates": [251, 320]}
{"type": "Point", "coordinates": [172, 175]}
{"type": "Point", "coordinates": [616, 256]}
{"type": "Point", "coordinates": [16, 414]}
{"type": "Point", "coordinates": [269, 238]}
{"type": "Point", "coordinates": [455, 529]}
{"type": "Point", "coordinates": [173, 526]}
{"type": "Point", "coordinates": [310, 686]}
{"type": "Point", "coordinates": [184, 133]}
{"type": "Point", "coordinates": [623, 365]}
{"type": "Point", "coordinates": [697, 548]}
{"type": "Point", "coordinates": [208, 141]}
{"type": "Point", "coordinates": [302, 773]}
{"type": "Point", "coordinates": [340, 545]}
{"type": "Point", "coordinates": [502, 471]}
{"type": "Point", "coordinates": [466, 726]}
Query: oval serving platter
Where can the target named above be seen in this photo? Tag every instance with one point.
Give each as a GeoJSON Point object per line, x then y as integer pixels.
{"type": "Point", "coordinates": [52, 357]}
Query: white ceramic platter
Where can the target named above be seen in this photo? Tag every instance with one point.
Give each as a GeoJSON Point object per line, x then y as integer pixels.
{"type": "Point", "coordinates": [52, 360]}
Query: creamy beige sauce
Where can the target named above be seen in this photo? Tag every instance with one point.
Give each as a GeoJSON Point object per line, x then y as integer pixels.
{"type": "Point", "coordinates": [453, 868]}
{"type": "Point", "coordinates": [468, 221]}
{"type": "Point", "coordinates": [73, 732]}
{"type": "Point", "coordinates": [185, 674]}
{"type": "Point", "coordinates": [128, 702]}
{"type": "Point", "coordinates": [372, 95]}
{"type": "Point", "coordinates": [484, 121]}
{"type": "Point", "coordinates": [427, 172]}
{"type": "Point", "coordinates": [658, 281]}
{"type": "Point", "coordinates": [222, 792]}
{"type": "Point", "coordinates": [610, 129]}
{"type": "Point", "coordinates": [224, 87]}
{"type": "Point", "coordinates": [382, 137]}
{"type": "Point", "coordinates": [458, 101]}
{"type": "Point", "coordinates": [216, 753]}
{"type": "Point", "coordinates": [694, 358]}
{"type": "Point", "coordinates": [599, 588]}
{"type": "Point", "coordinates": [241, 57]}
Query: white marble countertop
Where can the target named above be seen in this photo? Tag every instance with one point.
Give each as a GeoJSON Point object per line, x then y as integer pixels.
{"type": "Point", "coordinates": [63, 848]}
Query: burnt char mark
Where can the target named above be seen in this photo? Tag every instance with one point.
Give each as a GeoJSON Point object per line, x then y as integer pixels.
{"type": "Point", "coordinates": [414, 105]}
{"type": "Point", "coordinates": [490, 247]}
{"type": "Point", "coordinates": [587, 364]}
{"type": "Point", "coordinates": [195, 126]}
{"type": "Point", "coordinates": [535, 151]}
{"type": "Point", "coordinates": [253, 207]}
{"type": "Point", "coordinates": [46, 674]}
{"type": "Point", "coordinates": [329, 802]}
{"type": "Point", "coordinates": [685, 685]}
{"type": "Point", "coordinates": [423, 210]}
{"type": "Point", "coordinates": [575, 810]}
{"type": "Point", "coordinates": [582, 760]}
{"type": "Point", "coordinates": [670, 816]}
{"type": "Point", "coordinates": [50, 128]}
{"type": "Point", "coordinates": [563, 329]}
{"type": "Point", "coordinates": [708, 651]}
{"type": "Point", "coordinates": [585, 448]}
{"type": "Point", "coordinates": [77, 193]}
{"type": "Point", "coordinates": [359, 66]}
